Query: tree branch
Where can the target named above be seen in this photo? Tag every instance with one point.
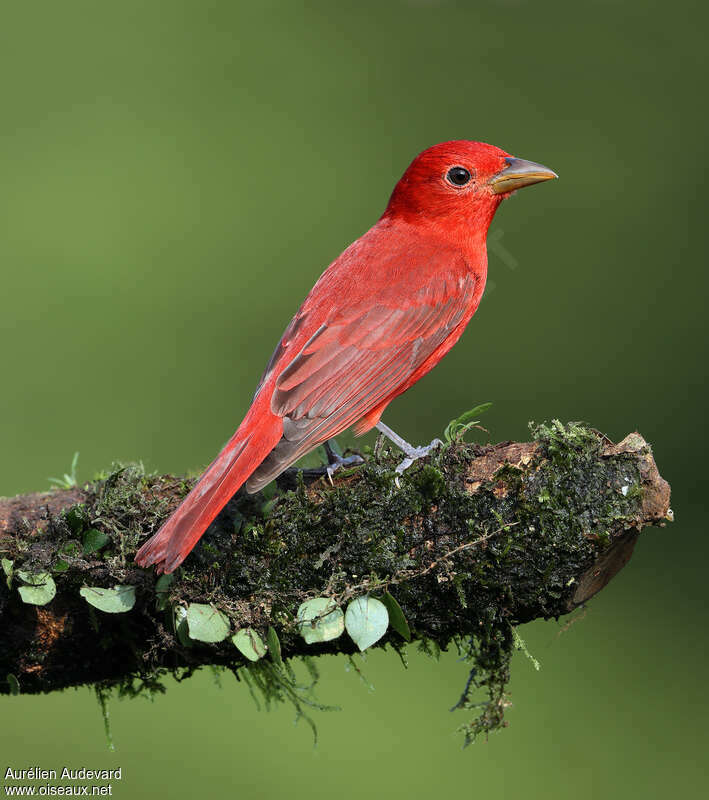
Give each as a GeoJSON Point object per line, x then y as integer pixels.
{"type": "Point", "coordinates": [476, 540]}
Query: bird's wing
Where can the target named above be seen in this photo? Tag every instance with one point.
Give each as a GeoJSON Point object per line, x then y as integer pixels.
{"type": "Point", "coordinates": [358, 359]}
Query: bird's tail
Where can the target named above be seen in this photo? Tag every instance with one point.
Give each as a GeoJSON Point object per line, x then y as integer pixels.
{"type": "Point", "coordinates": [246, 449]}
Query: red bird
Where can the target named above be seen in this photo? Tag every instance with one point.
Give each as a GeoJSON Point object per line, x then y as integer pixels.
{"type": "Point", "coordinates": [381, 316]}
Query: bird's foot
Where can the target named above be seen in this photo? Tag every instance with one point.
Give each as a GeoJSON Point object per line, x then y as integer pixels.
{"type": "Point", "coordinates": [412, 453]}
{"type": "Point", "coordinates": [336, 461]}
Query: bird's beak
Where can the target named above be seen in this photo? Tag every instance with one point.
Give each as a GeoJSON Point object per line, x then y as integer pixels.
{"type": "Point", "coordinates": [519, 173]}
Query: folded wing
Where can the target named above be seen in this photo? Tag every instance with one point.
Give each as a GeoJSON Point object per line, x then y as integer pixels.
{"type": "Point", "coordinates": [357, 361]}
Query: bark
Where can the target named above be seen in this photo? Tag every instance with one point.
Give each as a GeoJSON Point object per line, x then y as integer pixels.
{"type": "Point", "coordinates": [474, 541]}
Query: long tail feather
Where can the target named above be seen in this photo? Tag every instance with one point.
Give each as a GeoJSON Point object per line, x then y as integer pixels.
{"type": "Point", "coordinates": [169, 547]}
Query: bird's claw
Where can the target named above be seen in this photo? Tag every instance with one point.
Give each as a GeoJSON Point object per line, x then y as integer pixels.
{"type": "Point", "coordinates": [338, 462]}
{"type": "Point", "coordinates": [412, 455]}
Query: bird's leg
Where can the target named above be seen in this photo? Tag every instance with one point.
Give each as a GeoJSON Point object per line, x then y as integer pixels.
{"type": "Point", "coordinates": [412, 453]}
{"type": "Point", "coordinates": [335, 461]}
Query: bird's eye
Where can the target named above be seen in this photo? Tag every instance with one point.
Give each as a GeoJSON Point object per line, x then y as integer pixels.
{"type": "Point", "coordinates": [458, 176]}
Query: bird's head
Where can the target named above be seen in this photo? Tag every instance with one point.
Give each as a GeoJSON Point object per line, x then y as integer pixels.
{"type": "Point", "coordinates": [461, 184]}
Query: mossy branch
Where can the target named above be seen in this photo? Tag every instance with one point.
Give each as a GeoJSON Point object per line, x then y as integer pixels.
{"type": "Point", "coordinates": [475, 541]}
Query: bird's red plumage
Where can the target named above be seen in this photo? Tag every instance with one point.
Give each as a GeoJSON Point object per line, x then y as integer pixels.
{"type": "Point", "coordinates": [382, 315]}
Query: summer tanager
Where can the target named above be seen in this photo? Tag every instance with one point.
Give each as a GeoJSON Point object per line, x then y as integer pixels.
{"type": "Point", "coordinates": [383, 314]}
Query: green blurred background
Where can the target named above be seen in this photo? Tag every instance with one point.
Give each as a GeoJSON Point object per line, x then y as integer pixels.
{"type": "Point", "coordinates": [173, 178]}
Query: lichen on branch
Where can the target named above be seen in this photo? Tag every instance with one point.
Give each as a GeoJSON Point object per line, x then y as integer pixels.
{"type": "Point", "coordinates": [474, 541]}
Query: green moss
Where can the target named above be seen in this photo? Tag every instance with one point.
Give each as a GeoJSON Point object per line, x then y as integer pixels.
{"type": "Point", "coordinates": [273, 684]}
{"type": "Point", "coordinates": [543, 534]}
{"type": "Point", "coordinates": [430, 483]}
{"type": "Point", "coordinates": [463, 567]}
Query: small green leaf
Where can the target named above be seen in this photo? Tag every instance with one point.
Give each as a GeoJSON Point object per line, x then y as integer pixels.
{"type": "Point", "coordinates": [94, 540]}
{"type": "Point", "coordinates": [8, 569]}
{"type": "Point", "coordinates": [320, 620]}
{"type": "Point", "coordinates": [68, 481]}
{"type": "Point", "coordinates": [111, 601]}
{"type": "Point", "coordinates": [60, 566]}
{"type": "Point", "coordinates": [40, 588]}
{"type": "Point", "coordinates": [70, 548]}
{"type": "Point", "coordinates": [366, 621]}
{"type": "Point", "coordinates": [397, 620]}
{"type": "Point", "coordinates": [181, 628]}
{"type": "Point", "coordinates": [162, 587]}
{"type": "Point", "coordinates": [206, 623]}
{"type": "Point", "coordinates": [274, 646]}
{"type": "Point", "coordinates": [76, 518]}
{"type": "Point", "coordinates": [468, 416]}
{"type": "Point", "coordinates": [456, 428]}
{"type": "Point", "coordinates": [249, 643]}
{"type": "Point", "coordinates": [13, 683]}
